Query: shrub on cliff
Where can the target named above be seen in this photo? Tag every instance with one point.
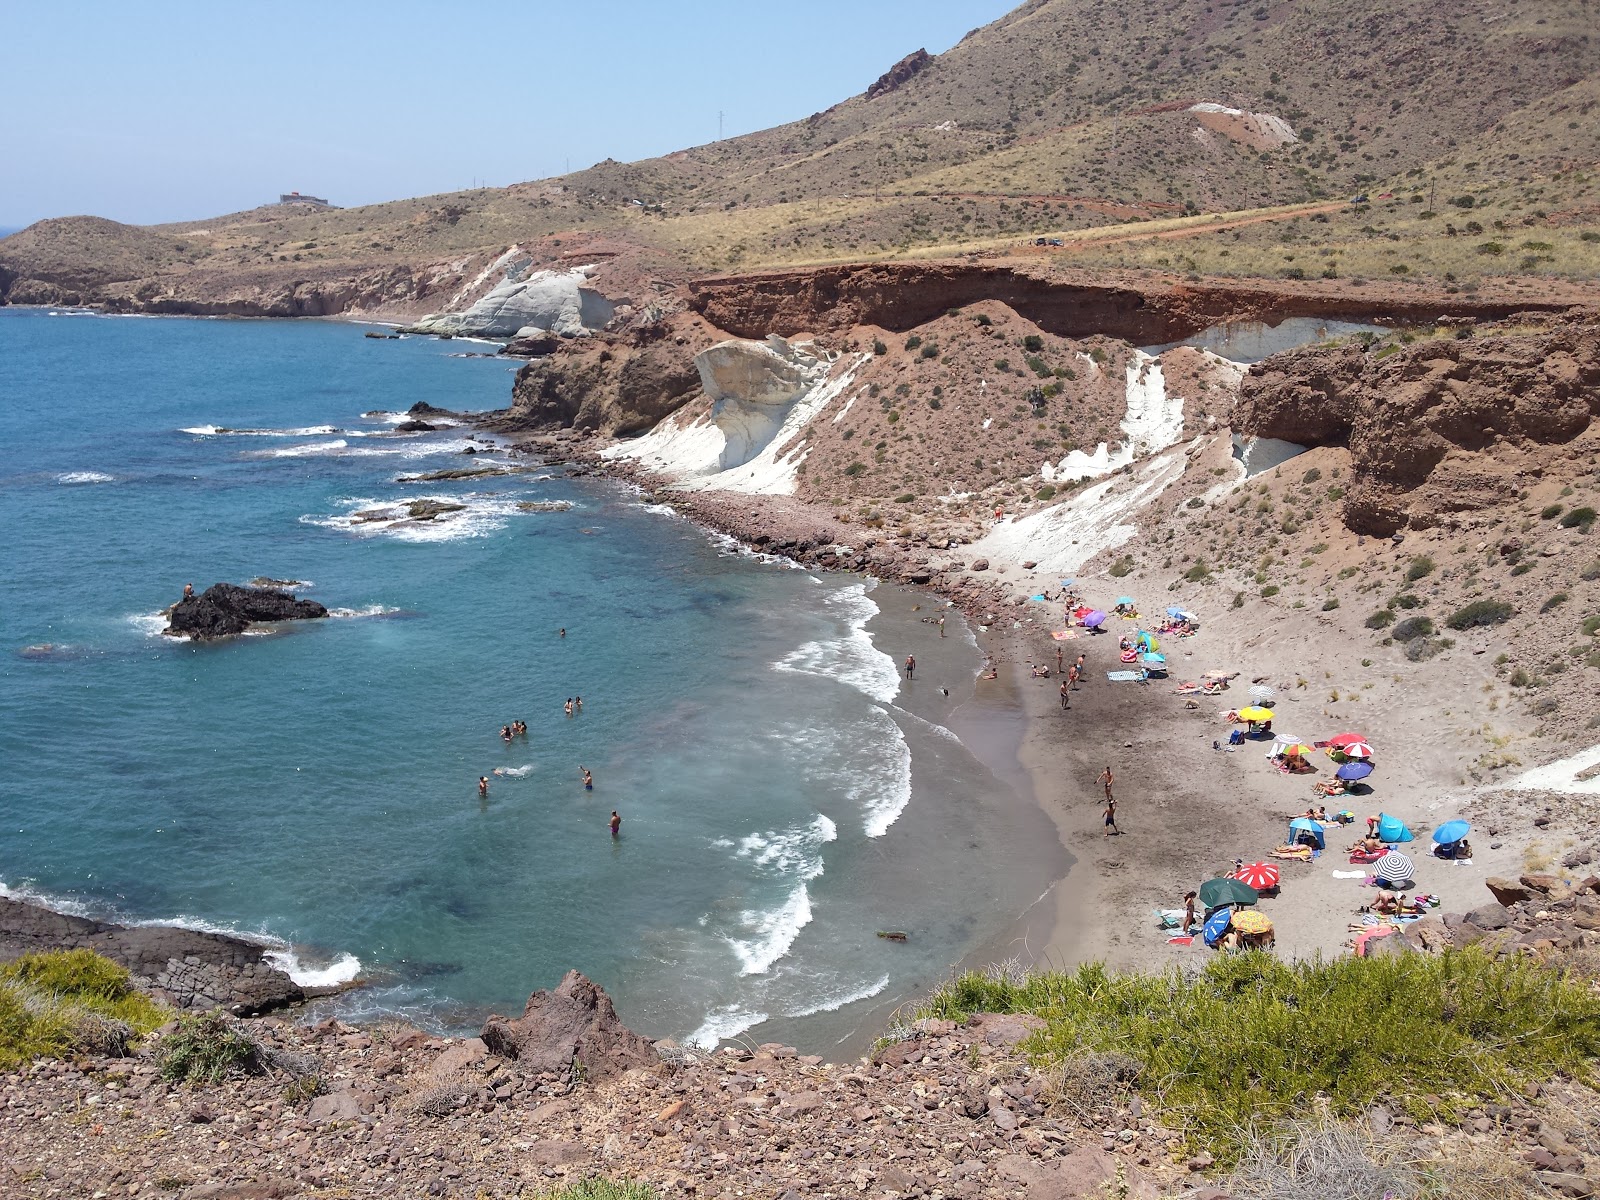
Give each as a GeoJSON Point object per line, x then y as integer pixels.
{"type": "Point", "coordinates": [208, 1048]}
{"type": "Point", "coordinates": [1480, 612]}
{"type": "Point", "coordinates": [69, 1001]}
{"type": "Point", "coordinates": [1459, 1024]}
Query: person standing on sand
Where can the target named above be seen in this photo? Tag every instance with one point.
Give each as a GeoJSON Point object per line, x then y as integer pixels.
{"type": "Point", "coordinates": [616, 824]}
{"type": "Point", "coordinates": [1111, 818]}
{"type": "Point", "coordinates": [1107, 778]}
{"type": "Point", "coordinates": [941, 625]}
{"type": "Point", "coordinates": [911, 665]}
{"type": "Point", "coordinates": [1189, 920]}
{"type": "Point", "coordinates": [1082, 660]}
{"type": "Point", "coordinates": [1063, 693]}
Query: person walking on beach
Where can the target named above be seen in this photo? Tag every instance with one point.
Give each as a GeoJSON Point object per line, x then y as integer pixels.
{"type": "Point", "coordinates": [1082, 660]}
{"type": "Point", "coordinates": [1107, 778]}
{"type": "Point", "coordinates": [911, 665]}
{"type": "Point", "coordinates": [1189, 919]}
{"type": "Point", "coordinates": [1063, 693]}
{"type": "Point", "coordinates": [1072, 675]}
{"type": "Point", "coordinates": [616, 824]}
{"type": "Point", "coordinates": [941, 625]}
{"type": "Point", "coordinates": [1111, 818]}
{"type": "Point", "coordinates": [1058, 660]}
{"type": "Point", "coordinates": [483, 785]}
{"type": "Point", "coordinates": [588, 779]}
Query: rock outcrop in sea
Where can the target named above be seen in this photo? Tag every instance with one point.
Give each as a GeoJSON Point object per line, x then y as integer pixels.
{"type": "Point", "coordinates": [226, 610]}
{"type": "Point", "coordinates": [545, 302]}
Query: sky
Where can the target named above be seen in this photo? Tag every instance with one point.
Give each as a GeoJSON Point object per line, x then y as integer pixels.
{"type": "Point", "coordinates": [168, 111]}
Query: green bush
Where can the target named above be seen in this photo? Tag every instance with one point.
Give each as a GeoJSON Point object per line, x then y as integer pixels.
{"type": "Point", "coordinates": [1198, 572]}
{"type": "Point", "coordinates": [1123, 566]}
{"type": "Point", "coordinates": [1579, 518]}
{"type": "Point", "coordinates": [855, 468]}
{"type": "Point", "coordinates": [1412, 627]}
{"type": "Point", "coordinates": [1047, 492]}
{"type": "Point", "coordinates": [930, 351]}
{"type": "Point", "coordinates": [913, 342]}
{"type": "Point", "coordinates": [1591, 626]}
{"type": "Point", "coordinates": [983, 320]}
{"type": "Point", "coordinates": [904, 498]}
{"type": "Point", "coordinates": [1590, 572]}
{"type": "Point", "coordinates": [1405, 600]}
{"type": "Point", "coordinates": [208, 1048]}
{"type": "Point", "coordinates": [1033, 343]}
{"type": "Point", "coordinates": [1380, 619]}
{"type": "Point", "coordinates": [1554, 602]}
{"type": "Point", "coordinates": [1292, 1035]}
{"type": "Point", "coordinates": [69, 1001]}
{"type": "Point", "coordinates": [602, 1189]}
{"type": "Point", "coordinates": [879, 348]}
{"type": "Point", "coordinates": [1420, 566]}
{"type": "Point", "coordinates": [1331, 603]}
{"type": "Point", "coordinates": [1480, 612]}
{"type": "Point", "coordinates": [1271, 590]}
{"type": "Point", "coordinates": [1311, 476]}
{"type": "Point", "coordinates": [1550, 511]}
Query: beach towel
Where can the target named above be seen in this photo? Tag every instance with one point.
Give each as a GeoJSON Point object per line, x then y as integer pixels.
{"type": "Point", "coordinates": [1367, 856]}
{"type": "Point", "coordinates": [1125, 676]}
{"type": "Point", "coordinates": [1349, 874]}
{"type": "Point", "coordinates": [1066, 635]}
{"type": "Point", "coordinates": [1181, 939]}
{"type": "Point", "coordinates": [1303, 853]}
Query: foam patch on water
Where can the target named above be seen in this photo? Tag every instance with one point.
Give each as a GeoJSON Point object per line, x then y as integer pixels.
{"type": "Point", "coordinates": [393, 448]}
{"type": "Point", "coordinates": [61, 904]}
{"type": "Point", "coordinates": [225, 431]}
{"type": "Point", "coordinates": [770, 932]}
{"type": "Point", "coordinates": [341, 970]}
{"type": "Point", "coordinates": [149, 624]}
{"type": "Point", "coordinates": [885, 789]}
{"type": "Point", "coordinates": [852, 657]}
{"type": "Point", "coordinates": [482, 515]}
{"type": "Point", "coordinates": [78, 477]}
{"type": "Point", "coordinates": [722, 1023]}
{"type": "Point", "coordinates": [837, 1000]}
{"type": "Point", "coordinates": [521, 772]}
{"type": "Point", "coordinates": [790, 851]}
{"type": "Point", "coordinates": [369, 610]}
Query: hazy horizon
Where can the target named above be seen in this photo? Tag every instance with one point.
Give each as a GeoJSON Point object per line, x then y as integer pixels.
{"type": "Point", "coordinates": [170, 113]}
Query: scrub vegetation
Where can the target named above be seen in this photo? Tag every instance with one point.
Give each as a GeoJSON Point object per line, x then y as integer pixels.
{"type": "Point", "coordinates": [70, 1001]}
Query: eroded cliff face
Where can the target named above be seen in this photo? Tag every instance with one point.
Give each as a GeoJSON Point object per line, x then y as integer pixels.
{"type": "Point", "coordinates": [1447, 424]}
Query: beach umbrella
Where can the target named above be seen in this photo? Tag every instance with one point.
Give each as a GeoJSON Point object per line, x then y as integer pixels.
{"type": "Point", "coordinates": [1354, 770]}
{"type": "Point", "coordinates": [1261, 876]}
{"type": "Point", "coordinates": [1252, 922]}
{"type": "Point", "coordinates": [1392, 829]}
{"type": "Point", "coordinates": [1216, 926]}
{"type": "Point", "coordinates": [1291, 746]}
{"type": "Point", "coordinates": [1255, 714]}
{"type": "Point", "coordinates": [1451, 831]}
{"type": "Point", "coordinates": [1174, 611]}
{"type": "Point", "coordinates": [1262, 693]}
{"type": "Point", "coordinates": [1148, 641]}
{"type": "Point", "coordinates": [1339, 740]}
{"type": "Point", "coordinates": [1395, 867]}
{"type": "Point", "coordinates": [1154, 659]}
{"type": "Point", "coordinates": [1356, 750]}
{"type": "Point", "coordinates": [1128, 600]}
{"type": "Point", "coordinates": [1217, 892]}
{"type": "Point", "coordinates": [1095, 619]}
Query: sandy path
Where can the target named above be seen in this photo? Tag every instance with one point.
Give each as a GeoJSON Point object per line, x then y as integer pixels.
{"type": "Point", "coordinates": [1083, 242]}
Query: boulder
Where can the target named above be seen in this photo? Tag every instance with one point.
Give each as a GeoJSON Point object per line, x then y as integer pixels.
{"type": "Point", "coordinates": [1508, 891]}
{"type": "Point", "coordinates": [1489, 917]}
{"type": "Point", "coordinates": [414, 426]}
{"type": "Point", "coordinates": [574, 1023]}
{"type": "Point", "coordinates": [553, 301]}
{"type": "Point", "coordinates": [1006, 1029]}
{"type": "Point", "coordinates": [1545, 884]}
{"type": "Point", "coordinates": [226, 609]}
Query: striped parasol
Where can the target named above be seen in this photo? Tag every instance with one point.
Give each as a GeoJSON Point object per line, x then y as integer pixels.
{"type": "Point", "coordinates": [1262, 693]}
{"type": "Point", "coordinates": [1395, 867]}
{"type": "Point", "coordinates": [1356, 750]}
{"type": "Point", "coordinates": [1261, 876]}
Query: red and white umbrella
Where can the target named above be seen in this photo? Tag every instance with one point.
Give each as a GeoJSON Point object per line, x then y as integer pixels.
{"type": "Point", "coordinates": [1356, 750]}
{"type": "Point", "coordinates": [1261, 876]}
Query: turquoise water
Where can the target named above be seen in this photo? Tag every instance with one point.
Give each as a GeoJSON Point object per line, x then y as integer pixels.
{"type": "Point", "coordinates": [784, 793]}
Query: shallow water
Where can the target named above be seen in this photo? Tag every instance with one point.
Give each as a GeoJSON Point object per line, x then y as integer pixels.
{"type": "Point", "coordinates": [784, 793]}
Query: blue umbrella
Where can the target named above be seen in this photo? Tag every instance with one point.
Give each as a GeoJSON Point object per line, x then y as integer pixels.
{"type": "Point", "coordinates": [1306, 825]}
{"type": "Point", "coordinates": [1451, 831]}
{"type": "Point", "coordinates": [1216, 926]}
{"type": "Point", "coordinates": [1392, 829]}
{"type": "Point", "coordinates": [1354, 770]}
{"type": "Point", "coordinates": [1174, 611]}
{"type": "Point", "coordinates": [1154, 658]}
{"type": "Point", "coordinates": [1128, 600]}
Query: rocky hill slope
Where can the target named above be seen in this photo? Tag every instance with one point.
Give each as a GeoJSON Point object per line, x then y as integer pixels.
{"type": "Point", "coordinates": [1063, 115]}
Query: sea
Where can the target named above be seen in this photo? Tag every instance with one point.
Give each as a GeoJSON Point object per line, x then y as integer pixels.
{"type": "Point", "coordinates": [786, 794]}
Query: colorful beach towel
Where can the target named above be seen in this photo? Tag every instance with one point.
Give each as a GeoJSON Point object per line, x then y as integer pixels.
{"type": "Point", "coordinates": [1066, 635]}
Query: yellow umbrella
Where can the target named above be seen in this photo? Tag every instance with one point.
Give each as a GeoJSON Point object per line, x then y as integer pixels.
{"type": "Point", "coordinates": [1252, 922]}
{"type": "Point", "coordinates": [1255, 712]}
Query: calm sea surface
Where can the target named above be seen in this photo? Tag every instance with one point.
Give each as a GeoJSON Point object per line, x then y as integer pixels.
{"type": "Point", "coordinates": [784, 793]}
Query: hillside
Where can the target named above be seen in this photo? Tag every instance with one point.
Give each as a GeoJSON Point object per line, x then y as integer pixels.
{"type": "Point", "coordinates": [1064, 115]}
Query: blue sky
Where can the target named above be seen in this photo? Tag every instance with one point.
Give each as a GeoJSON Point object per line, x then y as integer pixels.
{"type": "Point", "coordinates": [172, 111]}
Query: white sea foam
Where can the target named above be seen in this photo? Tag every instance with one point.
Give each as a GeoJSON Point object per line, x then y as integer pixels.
{"type": "Point", "coordinates": [884, 790]}
{"type": "Point", "coordinates": [341, 970]}
{"type": "Point", "coordinates": [368, 610]}
{"type": "Point", "coordinates": [791, 851]}
{"type": "Point", "coordinates": [521, 772]}
{"type": "Point", "coordinates": [852, 657]}
{"type": "Point", "coordinates": [770, 932]}
{"type": "Point", "coordinates": [307, 450]}
{"type": "Point", "coordinates": [836, 1001]}
{"type": "Point", "coordinates": [727, 1021]}
{"type": "Point", "coordinates": [483, 515]}
{"type": "Point", "coordinates": [149, 624]}
{"type": "Point", "coordinates": [71, 477]}
{"type": "Point", "coordinates": [225, 431]}
{"type": "Point", "coordinates": [60, 904]}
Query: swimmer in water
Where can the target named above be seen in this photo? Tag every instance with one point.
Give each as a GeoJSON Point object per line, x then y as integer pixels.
{"type": "Point", "coordinates": [483, 785]}
{"type": "Point", "coordinates": [563, 632]}
{"type": "Point", "coordinates": [505, 734]}
{"type": "Point", "coordinates": [569, 706]}
{"type": "Point", "coordinates": [616, 824]}
{"type": "Point", "coordinates": [588, 779]}
{"type": "Point", "coordinates": [577, 703]}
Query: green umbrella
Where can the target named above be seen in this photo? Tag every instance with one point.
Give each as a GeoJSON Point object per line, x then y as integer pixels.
{"type": "Point", "coordinates": [1214, 893]}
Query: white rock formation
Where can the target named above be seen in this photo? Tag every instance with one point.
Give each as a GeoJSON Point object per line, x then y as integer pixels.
{"type": "Point", "coordinates": [555, 301]}
{"type": "Point", "coordinates": [752, 386]}
{"type": "Point", "coordinates": [1153, 421]}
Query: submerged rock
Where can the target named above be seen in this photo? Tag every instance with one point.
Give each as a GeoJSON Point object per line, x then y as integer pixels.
{"type": "Point", "coordinates": [226, 609]}
{"type": "Point", "coordinates": [575, 1022]}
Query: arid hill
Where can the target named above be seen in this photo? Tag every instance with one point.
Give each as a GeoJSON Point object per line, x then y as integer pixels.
{"type": "Point", "coordinates": [1063, 116]}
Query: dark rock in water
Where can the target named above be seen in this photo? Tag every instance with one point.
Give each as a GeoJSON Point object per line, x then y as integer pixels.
{"type": "Point", "coordinates": [226, 609]}
{"type": "Point", "coordinates": [416, 427]}
{"type": "Point", "coordinates": [536, 345]}
{"type": "Point", "coordinates": [423, 409]}
{"type": "Point", "coordinates": [576, 1021]}
{"type": "Point", "coordinates": [184, 967]}
{"type": "Point", "coordinates": [427, 510]}
{"type": "Point", "coordinates": [266, 581]}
